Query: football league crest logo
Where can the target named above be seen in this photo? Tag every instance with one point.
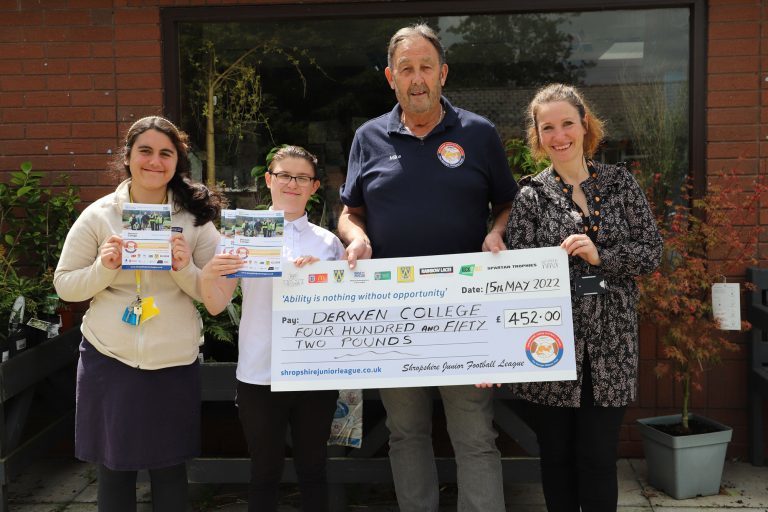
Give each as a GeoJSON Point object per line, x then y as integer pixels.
{"type": "Point", "coordinates": [544, 349]}
{"type": "Point", "coordinates": [450, 154]}
{"type": "Point", "coordinates": [405, 274]}
{"type": "Point", "coordinates": [338, 275]}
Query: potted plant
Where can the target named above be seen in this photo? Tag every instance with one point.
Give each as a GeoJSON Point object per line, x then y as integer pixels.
{"type": "Point", "coordinates": [35, 220]}
{"type": "Point", "coordinates": [703, 244]}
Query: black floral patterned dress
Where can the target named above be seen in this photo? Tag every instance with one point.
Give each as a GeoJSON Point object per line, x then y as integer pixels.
{"type": "Point", "coordinates": [622, 226]}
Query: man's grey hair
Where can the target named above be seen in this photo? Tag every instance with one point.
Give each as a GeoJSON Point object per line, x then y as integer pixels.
{"type": "Point", "coordinates": [418, 30]}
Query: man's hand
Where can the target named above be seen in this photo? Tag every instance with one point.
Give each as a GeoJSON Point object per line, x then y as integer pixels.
{"type": "Point", "coordinates": [358, 249]}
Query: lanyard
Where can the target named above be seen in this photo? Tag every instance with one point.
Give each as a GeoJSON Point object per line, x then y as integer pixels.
{"type": "Point", "coordinates": [137, 274]}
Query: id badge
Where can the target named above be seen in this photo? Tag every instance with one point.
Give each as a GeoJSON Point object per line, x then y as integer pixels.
{"type": "Point", "coordinates": [590, 285]}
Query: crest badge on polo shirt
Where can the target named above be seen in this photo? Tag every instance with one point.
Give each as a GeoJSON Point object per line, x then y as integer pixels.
{"type": "Point", "coordinates": [450, 154]}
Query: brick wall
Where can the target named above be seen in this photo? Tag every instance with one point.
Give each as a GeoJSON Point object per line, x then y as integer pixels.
{"type": "Point", "coordinates": [75, 73]}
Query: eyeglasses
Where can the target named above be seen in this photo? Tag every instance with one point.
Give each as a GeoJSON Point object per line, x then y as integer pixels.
{"type": "Point", "coordinates": [285, 178]}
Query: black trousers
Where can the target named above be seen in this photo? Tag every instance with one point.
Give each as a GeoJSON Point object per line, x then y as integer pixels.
{"type": "Point", "coordinates": [265, 417]}
{"type": "Point", "coordinates": [578, 450]}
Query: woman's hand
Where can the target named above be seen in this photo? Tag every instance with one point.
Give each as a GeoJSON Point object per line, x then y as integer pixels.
{"type": "Point", "coordinates": [582, 246]}
{"type": "Point", "coordinates": [305, 260]}
{"type": "Point", "coordinates": [179, 251]}
{"type": "Point", "coordinates": [221, 265]}
{"type": "Point", "coordinates": [111, 253]}
{"type": "Point", "coordinates": [484, 385]}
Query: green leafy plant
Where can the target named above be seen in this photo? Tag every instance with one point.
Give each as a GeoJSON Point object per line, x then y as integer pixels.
{"type": "Point", "coordinates": [228, 93]}
{"type": "Point", "coordinates": [520, 160]}
{"type": "Point", "coordinates": [35, 220]}
{"type": "Point", "coordinates": [703, 244]}
{"type": "Point", "coordinates": [222, 327]}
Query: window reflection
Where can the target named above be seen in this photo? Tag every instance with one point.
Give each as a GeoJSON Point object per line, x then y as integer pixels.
{"type": "Point", "coordinates": [313, 82]}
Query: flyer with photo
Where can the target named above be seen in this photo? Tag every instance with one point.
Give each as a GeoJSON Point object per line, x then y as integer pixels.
{"type": "Point", "coordinates": [146, 236]}
{"type": "Point", "coordinates": [259, 241]}
{"type": "Point", "coordinates": [227, 232]}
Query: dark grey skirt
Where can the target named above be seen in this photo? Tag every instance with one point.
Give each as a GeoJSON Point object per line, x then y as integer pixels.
{"type": "Point", "coordinates": [129, 419]}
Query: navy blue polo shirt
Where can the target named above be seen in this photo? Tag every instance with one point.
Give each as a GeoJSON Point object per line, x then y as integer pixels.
{"type": "Point", "coordinates": [430, 196]}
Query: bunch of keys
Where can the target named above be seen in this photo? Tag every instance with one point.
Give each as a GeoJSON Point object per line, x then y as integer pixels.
{"type": "Point", "coordinates": [132, 314]}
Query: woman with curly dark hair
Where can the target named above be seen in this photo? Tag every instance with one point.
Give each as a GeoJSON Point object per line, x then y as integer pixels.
{"type": "Point", "coordinates": [138, 386]}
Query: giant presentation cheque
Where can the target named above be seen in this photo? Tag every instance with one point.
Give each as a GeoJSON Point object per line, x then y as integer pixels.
{"type": "Point", "coordinates": [424, 321]}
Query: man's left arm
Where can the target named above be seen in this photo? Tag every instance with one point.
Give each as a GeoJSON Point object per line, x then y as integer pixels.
{"type": "Point", "coordinates": [494, 240]}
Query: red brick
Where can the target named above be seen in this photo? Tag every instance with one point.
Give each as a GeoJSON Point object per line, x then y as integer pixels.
{"type": "Point", "coordinates": [741, 166]}
{"type": "Point", "coordinates": [92, 98]}
{"type": "Point", "coordinates": [31, 5]}
{"type": "Point", "coordinates": [89, 4]}
{"type": "Point", "coordinates": [732, 65]}
{"type": "Point", "coordinates": [11, 131]}
{"type": "Point", "coordinates": [22, 18]}
{"type": "Point", "coordinates": [8, 99]}
{"type": "Point", "coordinates": [140, 81]}
{"type": "Point", "coordinates": [103, 113]}
{"type": "Point", "coordinates": [140, 65]}
{"type": "Point", "coordinates": [11, 34]}
{"type": "Point", "coordinates": [150, 97]}
{"type": "Point", "coordinates": [91, 66]}
{"type": "Point", "coordinates": [136, 16]}
{"type": "Point", "coordinates": [137, 33]}
{"type": "Point", "coordinates": [70, 83]}
{"type": "Point", "coordinates": [734, 30]}
{"type": "Point", "coordinates": [733, 133]}
{"type": "Point", "coordinates": [730, 47]}
{"type": "Point", "coordinates": [47, 99]}
{"type": "Point", "coordinates": [21, 51]}
{"type": "Point", "coordinates": [91, 194]}
{"type": "Point", "coordinates": [22, 83]}
{"type": "Point", "coordinates": [98, 162]}
{"type": "Point", "coordinates": [734, 82]}
{"type": "Point", "coordinates": [94, 130]}
{"type": "Point", "coordinates": [731, 150]}
{"type": "Point", "coordinates": [10, 67]}
{"type": "Point", "coordinates": [81, 178]}
{"type": "Point", "coordinates": [22, 147]}
{"type": "Point", "coordinates": [68, 50]}
{"type": "Point", "coordinates": [46, 34]}
{"type": "Point", "coordinates": [732, 99]}
{"type": "Point", "coordinates": [80, 146]}
{"type": "Point", "coordinates": [104, 82]}
{"type": "Point", "coordinates": [734, 13]}
{"type": "Point", "coordinates": [70, 114]}
{"type": "Point", "coordinates": [102, 17]}
{"type": "Point", "coordinates": [39, 67]}
{"type": "Point", "coordinates": [8, 5]}
{"type": "Point", "coordinates": [90, 34]}
{"type": "Point", "coordinates": [103, 50]}
{"type": "Point", "coordinates": [137, 49]}
{"type": "Point", "coordinates": [68, 17]}
{"type": "Point", "coordinates": [48, 131]}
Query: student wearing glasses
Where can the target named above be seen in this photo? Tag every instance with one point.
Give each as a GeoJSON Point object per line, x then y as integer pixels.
{"type": "Point", "coordinates": [265, 416]}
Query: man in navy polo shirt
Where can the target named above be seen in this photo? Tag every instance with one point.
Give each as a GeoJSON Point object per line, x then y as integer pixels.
{"type": "Point", "coordinates": [422, 180]}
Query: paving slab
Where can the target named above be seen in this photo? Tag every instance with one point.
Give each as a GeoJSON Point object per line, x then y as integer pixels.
{"type": "Point", "coordinates": [66, 485]}
{"type": "Point", "coordinates": [743, 486]}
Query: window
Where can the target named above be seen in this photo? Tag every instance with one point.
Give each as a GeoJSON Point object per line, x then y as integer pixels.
{"type": "Point", "coordinates": [311, 76]}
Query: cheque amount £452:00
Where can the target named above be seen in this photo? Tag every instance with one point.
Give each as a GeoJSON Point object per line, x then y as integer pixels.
{"type": "Point", "coordinates": [532, 317]}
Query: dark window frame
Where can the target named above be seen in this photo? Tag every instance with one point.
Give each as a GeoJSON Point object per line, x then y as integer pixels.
{"type": "Point", "coordinates": [170, 17]}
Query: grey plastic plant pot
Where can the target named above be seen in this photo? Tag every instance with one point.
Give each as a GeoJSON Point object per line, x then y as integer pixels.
{"type": "Point", "coordinates": [684, 466]}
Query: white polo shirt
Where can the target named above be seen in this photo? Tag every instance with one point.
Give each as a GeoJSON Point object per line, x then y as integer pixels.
{"type": "Point", "coordinates": [301, 238]}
